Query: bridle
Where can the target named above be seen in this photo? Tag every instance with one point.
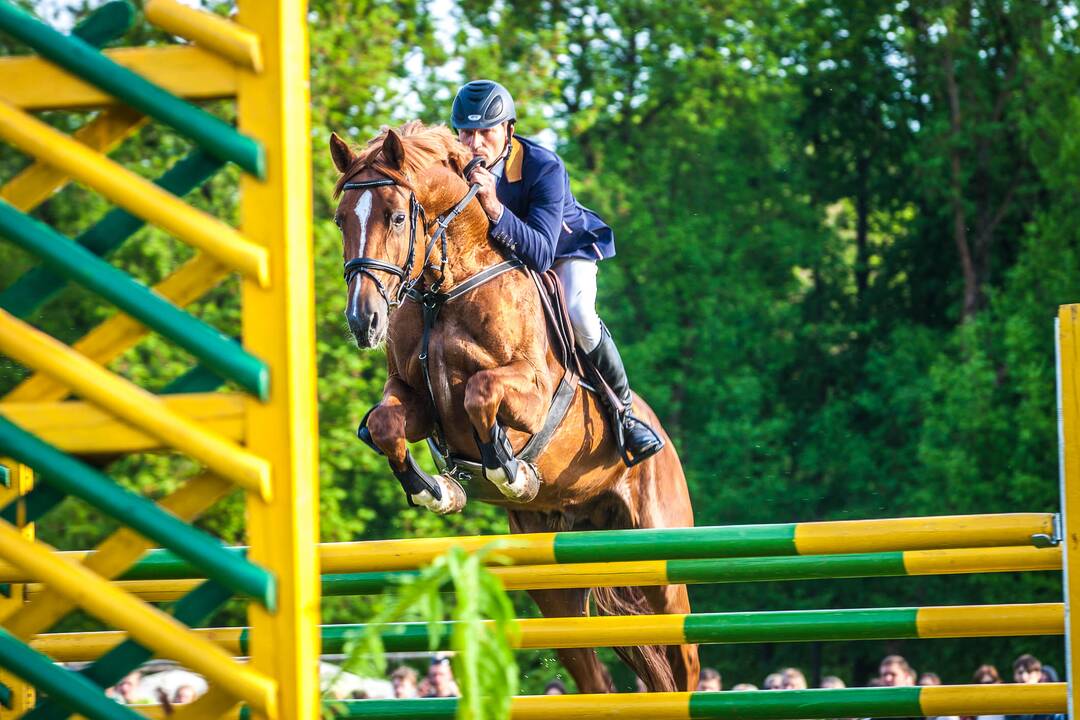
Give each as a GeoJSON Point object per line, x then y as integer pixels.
{"type": "Point", "coordinates": [367, 266]}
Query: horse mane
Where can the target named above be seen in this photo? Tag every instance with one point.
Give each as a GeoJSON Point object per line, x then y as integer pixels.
{"type": "Point", "coordinates": [425, 146]}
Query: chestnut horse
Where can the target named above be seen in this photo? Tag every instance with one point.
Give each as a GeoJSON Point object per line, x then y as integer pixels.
{"type": "Point", "coordinates": [489, 361]}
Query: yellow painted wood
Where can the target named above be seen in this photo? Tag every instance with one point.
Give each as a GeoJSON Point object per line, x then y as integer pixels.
{"type": "Point", "coordinates": [134, 193]}
{"type": "Point", "coordinates": [976, 560]}
{"type": "Point", "coordinates": [86, 646]}
{"type": "Point", "coordinates": [84, 429]}
{"type": "Point", "coordinates": [23, 694]}
{"type": "Point", "coordinates": [121, 332]}
{"type": "Point", "coordinates": [1002, 699]}
{"type": "Point", "coordinates": [575, 575]}
{"type": "Point", "coordinates": [585, 632]}
{"type": "Point", "coordinates": [655, 706]}
{"type": "Point", "coordinates": [38, 181]}
{"type": "Point", "coordinates": [117, 553]}
{"type": "Point", "coordinates": [146, 411]}
{"type": "Point", "coordinates": [991, 620]}
{"type": "Point", "coordinates": [925, 533]}
{"type": "Point", "coordinates": [32, 83]}
{"type": "Point", "coordinates": [374, 555]}
{"type": "Point", "coordinates": [151, 627]}
{"type": "Point", "coordinates": [1068, 382]}
{"type": "Point", "coordinates": [151, 591]}
{"type": "Point", "coordinates": [278, 326]}
{"type": "Point", "coordinates": [213, 32]}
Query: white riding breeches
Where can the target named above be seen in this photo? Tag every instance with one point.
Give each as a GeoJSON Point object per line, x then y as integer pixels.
{"type": "Point", "coordinates": [578, 277]}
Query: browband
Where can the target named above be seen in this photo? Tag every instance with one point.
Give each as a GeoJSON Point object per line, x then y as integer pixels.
{"type": "Point", "coordinates": [363, 184]}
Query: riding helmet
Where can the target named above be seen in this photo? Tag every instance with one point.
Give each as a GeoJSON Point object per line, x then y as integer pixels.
{"type": "Point", "coordinates": [482, 104]}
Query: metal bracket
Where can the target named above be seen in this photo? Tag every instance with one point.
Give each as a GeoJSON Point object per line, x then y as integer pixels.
{"type": "Point", "coordinates": [1042, 540]}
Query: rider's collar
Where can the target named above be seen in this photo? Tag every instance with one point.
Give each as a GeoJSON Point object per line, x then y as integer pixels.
{"type": "Point", "coordinates": [513, 162]}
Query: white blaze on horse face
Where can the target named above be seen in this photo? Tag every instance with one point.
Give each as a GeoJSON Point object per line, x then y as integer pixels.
{"type": "Point", "coordinates": [363, 212]}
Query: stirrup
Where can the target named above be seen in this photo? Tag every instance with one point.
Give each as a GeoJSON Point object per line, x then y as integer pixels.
{"type": "Point", "coordinates": [364, 434]}
{"type": "Point", "coordinates": [626, 419]}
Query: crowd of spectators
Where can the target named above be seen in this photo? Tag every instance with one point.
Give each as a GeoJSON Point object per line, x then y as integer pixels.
{"type": "Point", "coordinates": [895, 671]}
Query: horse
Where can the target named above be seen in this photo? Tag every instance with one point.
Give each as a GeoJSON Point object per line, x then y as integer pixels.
{"type": "Point", "coordinates": [490, 359]}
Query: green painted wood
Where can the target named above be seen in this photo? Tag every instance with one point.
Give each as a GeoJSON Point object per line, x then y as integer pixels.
{"type": "Point", "coordinates": [802, 626]}
{"type": "Point", "coordinates": [83, 60]}
{"type": "Point", "coordinates": [106, 24]}
{"type": "Point", "coordinates": [5, 696]}
{"type": "Point", "coordinates": [73, 690]}
{"type": "Point", "coordinates": [799, 567]}
{"type": "Point", "coordinates": [421, 708]}
{"type": "Point", "coordinates": [192, 609]}
{"type": "Point", "coordinates": [39, 285]}
{"type": "Point", "coordinates": [37, 503]}
{"type": "Point", "coordinates": [73, 477]}
{"type": "Point", "coordinates": [675, 543]}
{"type": "Point", "coordinates": [198, 379]}
{"type": "Point", "coordinates": [793, 704]}
{"type": "Point", "coordinates": [217, 350]}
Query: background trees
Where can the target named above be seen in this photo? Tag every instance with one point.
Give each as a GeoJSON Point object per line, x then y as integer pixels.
{"type": "Point", "coordinates": [843, 230]}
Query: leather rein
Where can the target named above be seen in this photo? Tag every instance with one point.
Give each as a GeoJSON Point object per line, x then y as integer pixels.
{"type": "Point", "coordinates": [430, 298]}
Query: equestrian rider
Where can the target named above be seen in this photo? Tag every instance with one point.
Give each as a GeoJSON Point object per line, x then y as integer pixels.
{"type": "Point", "coordinates": [525, 191]}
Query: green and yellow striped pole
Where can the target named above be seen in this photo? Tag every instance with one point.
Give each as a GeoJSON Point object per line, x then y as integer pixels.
{"type": "Point", "coordinates": [624, 631]}
{"type": "Point", "coordinates": [816, 538]}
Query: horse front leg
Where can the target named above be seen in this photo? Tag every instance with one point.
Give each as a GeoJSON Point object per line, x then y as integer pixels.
{"type": "Point", "coordinates": [509, 392]}
{"type": "Point", "coordinates": [403, 417]}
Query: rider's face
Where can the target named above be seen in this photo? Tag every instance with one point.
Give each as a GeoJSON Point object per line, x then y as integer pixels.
{"type": "Point", "coordinates": [487, 143]}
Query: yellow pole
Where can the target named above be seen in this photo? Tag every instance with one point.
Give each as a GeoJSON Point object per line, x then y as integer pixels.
{"type": "Point", "coordinates": [1068, 387]}
{"type": "Point", "coordinates": [134, 193]}
{"type": "Point", "coordinates": [33, 348]}
{"type": "Point", "coordinates": [211, 31]}
{"type": "Point", "coordinates": [20, 482]}
{"type": "Point", "coordinates": [278, 326]}
{"type": "Point", "coordinates": [150, 626]}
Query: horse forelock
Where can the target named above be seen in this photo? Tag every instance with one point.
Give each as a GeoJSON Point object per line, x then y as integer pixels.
{"type": "Point", "coordinates": [425, 146]}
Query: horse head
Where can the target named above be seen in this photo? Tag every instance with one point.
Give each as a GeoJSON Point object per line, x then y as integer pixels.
{"type": "Point", "coordinates": [384, 190]}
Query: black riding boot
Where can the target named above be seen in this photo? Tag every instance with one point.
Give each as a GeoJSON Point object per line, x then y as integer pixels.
{"type": "Point", "coordinates": [640, 440]}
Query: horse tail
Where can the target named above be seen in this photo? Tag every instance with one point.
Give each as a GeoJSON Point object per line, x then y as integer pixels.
{"type": "Point", "coordinates": [649, 662]}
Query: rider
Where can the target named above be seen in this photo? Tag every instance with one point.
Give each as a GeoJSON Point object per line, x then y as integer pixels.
{"type": "Point", "coordinates": [525, 191]}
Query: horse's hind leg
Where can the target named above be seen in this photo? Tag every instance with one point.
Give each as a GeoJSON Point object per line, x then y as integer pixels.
{"type": "Point", "coordinates": [683, 659]}
{"type": "Point", "coordinates": [582, 663]}
{"type": "Point", "coordinates": [509, 392]}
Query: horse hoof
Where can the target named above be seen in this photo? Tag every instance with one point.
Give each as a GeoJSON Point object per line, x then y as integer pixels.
{"type": "Point", "coordinates": [525, 486]}
{"type": "Point", "coordinates": [453, 497]}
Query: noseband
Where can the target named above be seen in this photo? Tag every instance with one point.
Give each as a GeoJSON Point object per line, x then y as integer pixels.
{"type": "Point", "coordinates": [367, 266]}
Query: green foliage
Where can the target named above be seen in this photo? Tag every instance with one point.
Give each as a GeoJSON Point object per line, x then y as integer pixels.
{"type": "Point", "coordinates": [791, 186]}
{"type": "Point", "coordinates": [483, 623]}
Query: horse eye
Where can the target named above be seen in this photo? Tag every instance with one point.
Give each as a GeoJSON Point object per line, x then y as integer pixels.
{"type": "Point", "coordinates": [399, 218]}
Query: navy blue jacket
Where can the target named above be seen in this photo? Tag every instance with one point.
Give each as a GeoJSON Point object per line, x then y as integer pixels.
{"type": "Point", "coordinates": [541, 220]}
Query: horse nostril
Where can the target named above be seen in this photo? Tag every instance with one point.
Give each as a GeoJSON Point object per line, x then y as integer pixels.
{"type": "Point", "coordinates": [373, 324]}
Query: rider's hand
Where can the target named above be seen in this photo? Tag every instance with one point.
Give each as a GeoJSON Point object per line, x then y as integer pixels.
{"type": "Point", "coordinates": [486, 194]}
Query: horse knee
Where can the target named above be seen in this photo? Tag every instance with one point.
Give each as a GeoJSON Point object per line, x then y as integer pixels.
{"type": "Point", "coordinates": [387, 426]}
{"type": "Point", "coordinates": [482, 395]}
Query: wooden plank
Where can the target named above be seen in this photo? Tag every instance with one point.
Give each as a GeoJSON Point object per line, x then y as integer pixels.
{"type": "Point", "coordinates": [84, 429]}
{"type": "Point", "coordinates": [189, 72]}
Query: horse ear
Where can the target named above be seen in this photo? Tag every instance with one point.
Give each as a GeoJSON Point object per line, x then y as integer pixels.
{"type": "Point", "coordinates": [393, 150]}
{"type": "Point", "coordinates": [340, 152]}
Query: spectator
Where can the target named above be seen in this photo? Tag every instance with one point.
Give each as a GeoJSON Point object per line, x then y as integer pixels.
{"type": "Point", "coordinates": [555, 687]}
{"type": "Point", "coordinates": [792, 679]}
{"type": "Point", "coordinates": [441, 677]}
{"type": "Point", "coordinates": [128, 690]}
{"type": "Point", "coordinates": [773, 681]}
{"type": "Point", "coordinates": [1027, 669]}
{"type": "Point", "coordinates": [403, 680]}
{"type": "Point", "coordinates": [831, 682]}
{"type": "Point", "coordinates": [710, 680]}
{"type": "Point", "coordinates": [184, 694]}
{"type": "Point", "coordinates": [928, 678]}
{"type": "Point", "coordinates": [639, 685]}
{"type": "Point", "coordinates": [1050, 674]}
{"type": "Point", "coordinates": [894, 671]}
{"type": "Point", "coordinates": [742, 687]}
{"type": "Point", "coordinates": [986, 675]}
